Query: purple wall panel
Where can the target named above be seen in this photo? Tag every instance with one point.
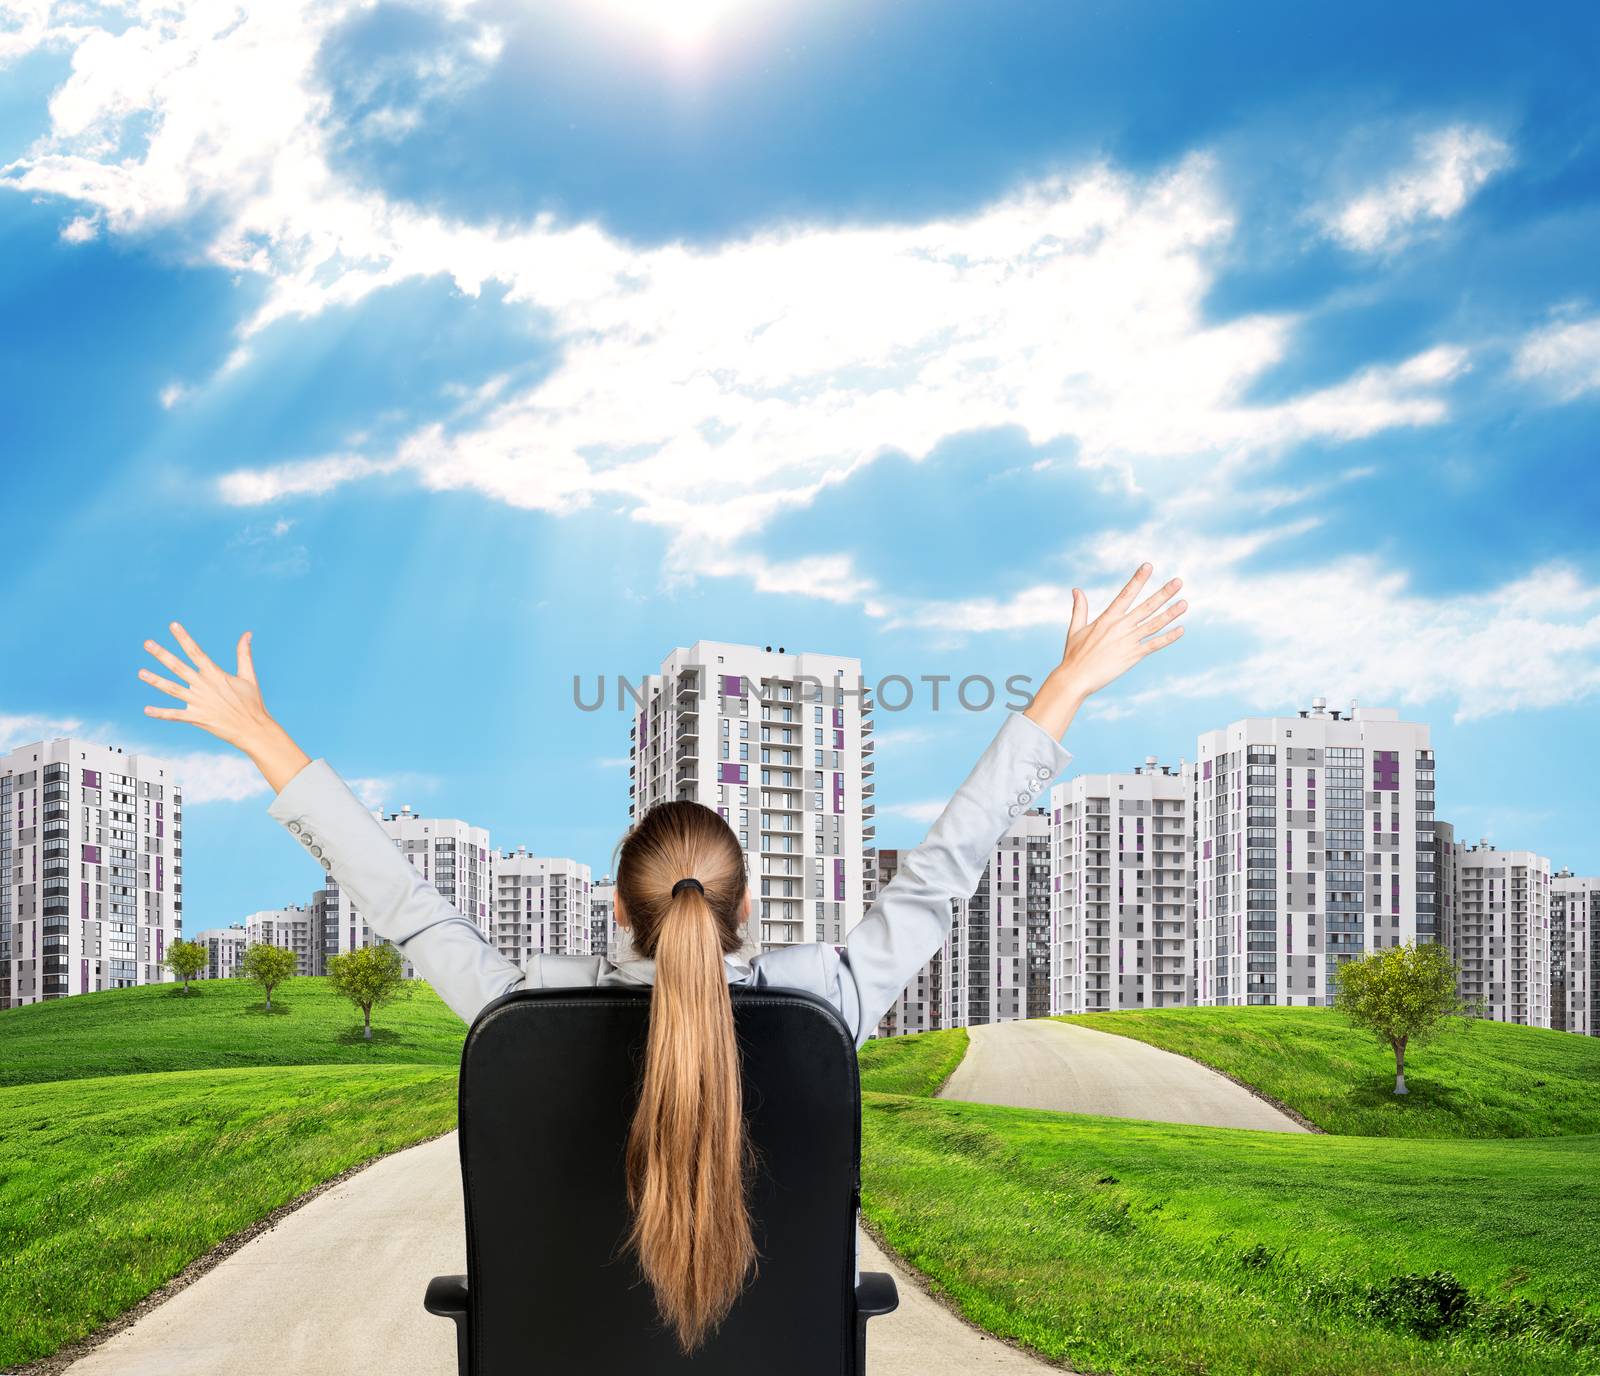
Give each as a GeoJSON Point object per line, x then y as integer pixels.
{"type": "Point", "coordinates": [91, 778]}
{"type": "Point", "coordinates": [91, 855]}
{"type": "Point", "coordinates": [733, 685]}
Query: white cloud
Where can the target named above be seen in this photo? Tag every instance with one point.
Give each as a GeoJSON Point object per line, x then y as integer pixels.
{"type": "Point", "coordinates": [1563, 356]}
{"type": "Point", "coordinates": [24, 728]}
{"type": "Point", "coordinates": [1349, 627]}
{"type": "Point", "coordinates": [709, 389]}
{"type": "Point", "coordinates": [375, 791]}
{"type": "Point", "coordinates": [1447, 169]}
{"type": "Point", "coordinates": [704, 388]}
{"type": "Point", "coordinates": [926, 812]}
{"type": "Point", "coordinates": [207, 777]}
{"type": "Point", "coordinates": [81, 230]}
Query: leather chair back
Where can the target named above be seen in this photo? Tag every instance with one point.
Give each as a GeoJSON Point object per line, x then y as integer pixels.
{"type": "Point", "coordinates": [549, 1083]}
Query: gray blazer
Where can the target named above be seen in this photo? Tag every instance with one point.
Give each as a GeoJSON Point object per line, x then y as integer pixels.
{"type": "Point", "coordinates": [899, 934]}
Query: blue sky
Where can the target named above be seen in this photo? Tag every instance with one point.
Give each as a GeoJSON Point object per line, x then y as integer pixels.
{"type": "Point", "coordinates": [459, 348]}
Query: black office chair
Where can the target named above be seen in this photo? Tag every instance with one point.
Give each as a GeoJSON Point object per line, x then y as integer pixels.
{"type": "Point", "coordinates": [549, 1083]}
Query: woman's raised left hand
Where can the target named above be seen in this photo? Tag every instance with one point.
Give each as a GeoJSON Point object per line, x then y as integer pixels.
{"type": "Point", "coordinates": [229, 706]}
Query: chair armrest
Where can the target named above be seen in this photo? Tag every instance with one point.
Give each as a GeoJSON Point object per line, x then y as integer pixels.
{"type": "Point", "coordinates": [447, 1297]}
{"type": "Point", "coordinates": [876, 1294]}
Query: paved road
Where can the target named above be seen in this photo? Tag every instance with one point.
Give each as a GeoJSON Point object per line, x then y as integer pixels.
{"type": "Point", "coordinates": [1059, 1065]}
{"type": "Point", "coordinates": [283, 1303]}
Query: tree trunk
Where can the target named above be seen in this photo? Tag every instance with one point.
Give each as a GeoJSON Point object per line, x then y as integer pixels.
{"type": "Point", "coordinates": [368, 1011]}
{"type": "Point", "coordinates": [269, 998]}
{"type": "Point", "coordinates": [1400, 1067]}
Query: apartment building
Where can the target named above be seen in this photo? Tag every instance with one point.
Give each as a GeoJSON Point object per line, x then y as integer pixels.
{"type": "Point", "coordinates": [541, 905]}
{"type": "Point", "coordinates": [91, 869]}
{"type": "Point", "coordinates": [994, 965]}
{"type": "Point", "coordinates": [1121, 890]}
{"type": "Point", "coordinates": [1502, 931]}
{"type": "Point", "coordinates": [781, 745]}
{"type": "Point", "coordinates": [1313, 831]}
{"type": "Point", "coordinates": [451, 854]}
{"type": "Point", "coordinates": [224, 949]}
{"type": "Point", "coordinates": [289, 927]}
{"type": "Point", "coordinates": [603, 932]}
{"type": "Point", "coordinates": [1574, 953]}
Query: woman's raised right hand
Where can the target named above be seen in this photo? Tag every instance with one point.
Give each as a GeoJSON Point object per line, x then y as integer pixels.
{"type": "Point", "coordinates": [1103, 649]}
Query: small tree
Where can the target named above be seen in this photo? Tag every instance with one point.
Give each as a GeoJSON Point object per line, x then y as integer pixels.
{"type": "Point", "coordinates": [366, 976]}
{"type": "Point", "coordinates": [269, 966]}
{"type": "Point", "coordinates": [187, 960]}
{"type": "Point", "coordinates": [1401, 994]}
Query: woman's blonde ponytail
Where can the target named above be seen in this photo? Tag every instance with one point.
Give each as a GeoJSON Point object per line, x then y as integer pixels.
{"type": "Point", "coordinates": [688, 1153]}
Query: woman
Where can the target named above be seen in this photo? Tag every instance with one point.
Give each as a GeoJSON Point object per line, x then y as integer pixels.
{"type": "Point", "coordinates": [682, 893]}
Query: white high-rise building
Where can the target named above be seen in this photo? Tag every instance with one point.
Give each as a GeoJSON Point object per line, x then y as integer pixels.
{"type": "Point", "coordinates": [1502, 932]}
{"type": "Point", "coordinates": [224, 949]}
{"type": "Point", "coordinates": [451, 854]}
{"type": "Point", "coordinates": [1122, 889]}
{"type": "Point", "coordinates": [781, 745]}
{"type": "Point", "coordinates": [603, 931]}
{"type": "Point", "coordinates": [541, 905]}
{"type": "Point", "coordinates": [288, 927]}
{"type": "Point", "coordinates": [1313, 831]}
{"type": "Point", "coordinates": [1574, 952]}
{"type": "Point", "coordinates": [994, 965]}
{"type": "Point", "coordinates": [91, 869]}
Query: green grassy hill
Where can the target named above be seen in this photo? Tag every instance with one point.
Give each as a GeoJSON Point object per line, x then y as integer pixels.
{"type": "Point", "coordinates": [221, 1023]}
{"type": "Point", "coordinates": [140, 1127]}
{"type": "Point", "coordinates": [1476, 1079]}
{"type": "Point", "coordinates": [1146, 1249]}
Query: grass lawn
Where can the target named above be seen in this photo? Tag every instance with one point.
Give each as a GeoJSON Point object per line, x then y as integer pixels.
{"type": "Point", "coordinates": [1476, 1079]}
{"type": "Point", "coordinates": [222, 1023]}
{"type": "Point", "coordinates": [109, 1187]}
{"type": "Point", "coordinates": [1130, 1247]}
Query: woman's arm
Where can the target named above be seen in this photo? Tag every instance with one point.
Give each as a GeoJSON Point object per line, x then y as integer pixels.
{"type": "Point", "coordinates": [335, 828]}
{"type": "Point", "coordinates": [907, 925]}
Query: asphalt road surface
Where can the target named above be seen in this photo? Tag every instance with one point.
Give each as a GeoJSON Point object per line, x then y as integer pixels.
{"type": "Point", "coordinates": [335, 1289]}
{"type": "Point", "coordinates": [1039, 1063]}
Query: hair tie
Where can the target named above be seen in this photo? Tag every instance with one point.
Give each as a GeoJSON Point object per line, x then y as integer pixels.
{"type": "Point", "coordinates": [688, 879]}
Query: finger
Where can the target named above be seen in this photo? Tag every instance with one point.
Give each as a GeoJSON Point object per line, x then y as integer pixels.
{"type": "Point", "coordinates": [1155, 623]}
{"type": "Point", "coordinates": [1156, 598]}
{"type": "Point", "coordinates": [1120, 602]}
{"type": "Point", "coordinates": [202, 661]}
{"type": "Point", "coordinates": [181, 713]}
{"type": "Point", "coordinates": [182, 670]}
{"type": "Point", "coordinates": [1080, 614]}
{"type": "Point", "coordinates": [166, 685]}
{"type": "Point", "coordinates": [247, 667]}
{"type": "Point", "coordinates": [1161, 641]}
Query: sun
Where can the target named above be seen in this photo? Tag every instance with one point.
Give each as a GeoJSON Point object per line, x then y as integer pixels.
{"type": "Point", "coordinates": [682, 26]}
